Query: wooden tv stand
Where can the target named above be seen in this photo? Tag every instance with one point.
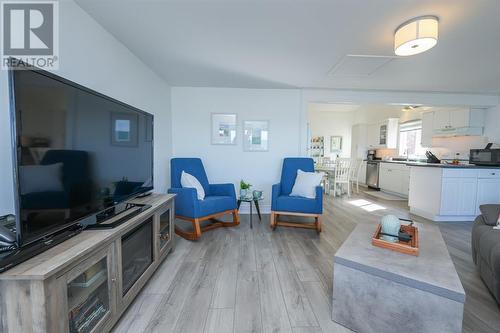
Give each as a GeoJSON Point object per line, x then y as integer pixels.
{"type": "Point", "coordinates": [81, 278]}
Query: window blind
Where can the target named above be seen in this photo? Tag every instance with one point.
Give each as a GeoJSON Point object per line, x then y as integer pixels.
{"type": "Point", "coordinates": [411, 125]}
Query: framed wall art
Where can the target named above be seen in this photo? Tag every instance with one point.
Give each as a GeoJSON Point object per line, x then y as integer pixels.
{"type": "Point", "coordinates": [335, 143]}
{"type": "Point", "coordinates": [256, 135]}
{"type": "Point", "coordinates": [223, 130]}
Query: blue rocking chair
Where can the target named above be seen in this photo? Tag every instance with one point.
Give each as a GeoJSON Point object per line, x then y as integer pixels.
{"type": "Point", "coordinates": [284, 204]}
{"type": "Point", "coordinates": [220, 199]}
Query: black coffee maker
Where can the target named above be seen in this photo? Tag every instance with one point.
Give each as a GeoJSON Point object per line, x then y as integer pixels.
{"type": "Point", "coordinates": [371, 155]}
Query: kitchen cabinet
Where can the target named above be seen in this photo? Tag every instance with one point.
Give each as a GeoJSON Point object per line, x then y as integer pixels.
{"type": "Point", "coordinates": [460, 118]}
{"type": "Point", "coordinates": [359, 138]}
{"type": "Point", "coordinates": [488, 191]}
{"type": "Point", "coordinates": [388, 178]}
{"type": "Point", "coordinates": [488, 188]}
{"type": "Point", "coordinates": [395, 178]}
{"type": "Point", "coordinates": [449, 196]}
{"type": "Point", "coordinates": [456, 122]}
{"type": "Point", "coordinates": [372, 135]}
{"type": "Point", "coordinates": [427, 129]}
{"type": "Point", "coordinates": [359, 146]}
{"type": "Point", "coordinates": [468, 196]}
{"type": "Point", "coordinates": [452, 194]}
{"type": "Point", "coordinates": [384, 134]}
{"type": "Point", "coordinates": [458, 196]}
{"type": "Point", "coordinates": [441, 120]}
{"type": "Point", "coordinates": [405, 181]}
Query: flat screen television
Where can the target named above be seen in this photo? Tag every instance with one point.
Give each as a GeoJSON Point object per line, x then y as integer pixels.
{"type": "Point", "coordinates": [76, 153]}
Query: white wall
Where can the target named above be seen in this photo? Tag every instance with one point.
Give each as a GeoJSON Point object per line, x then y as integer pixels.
{"type": "Point", "coordinates": [92, 57]}
{"type": "Point", "coordinates": [327, 124]}
{"type": "Point", "coordinates": [191, 116]}
{"type": "Point", "coordinates": [191, 109]}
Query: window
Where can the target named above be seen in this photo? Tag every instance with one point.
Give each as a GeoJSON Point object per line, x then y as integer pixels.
{"type": "Point", "coordinates": [410, 138]}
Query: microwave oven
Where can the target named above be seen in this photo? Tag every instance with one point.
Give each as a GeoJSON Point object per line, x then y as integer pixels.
{"type": "Point", "coordinates": [485, 157]}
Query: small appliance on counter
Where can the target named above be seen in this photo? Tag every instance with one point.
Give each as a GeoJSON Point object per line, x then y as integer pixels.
{"type": "Point", "coordinates": [431, 158]}
{"type": "Point", "coordinates": [371, 155]}
{"type": "Point", "coordinates": [486, 156]}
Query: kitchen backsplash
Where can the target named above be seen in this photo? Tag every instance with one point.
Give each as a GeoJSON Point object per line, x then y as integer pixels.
{"type": "Point", "coordinates": [446, 148]}
{"type": "Point", "coordinates": [386, 153]}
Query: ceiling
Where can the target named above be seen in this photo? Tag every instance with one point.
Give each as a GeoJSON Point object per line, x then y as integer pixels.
{"type": "Point", "coordinates": [298, 43]}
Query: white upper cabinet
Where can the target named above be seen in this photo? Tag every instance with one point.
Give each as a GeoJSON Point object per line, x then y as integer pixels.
{"type": "Point", "coordinates": [359, 141]}
{"type": "Point", "coordinates": [460, 118]}
{"type": "Point", "coordinates": [427, 129]}
{"type": "Point", "coordinates": [441, 120]}
{"type": "Point", "coordinates": [383, 134]}
{"type": "Point", "coordinates": [372, 137]}
{"type": "Point", "coordinates": [457, 122]}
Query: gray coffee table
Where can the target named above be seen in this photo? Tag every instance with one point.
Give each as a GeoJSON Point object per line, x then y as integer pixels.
{"type": "Point", "coordinates": [378, 290]}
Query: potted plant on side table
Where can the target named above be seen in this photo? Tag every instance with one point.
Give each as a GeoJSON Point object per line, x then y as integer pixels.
{"type": "Point", "coordinates": [244, 188]}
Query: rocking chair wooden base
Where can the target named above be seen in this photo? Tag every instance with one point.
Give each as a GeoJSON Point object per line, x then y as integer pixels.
{"type": "Point", "coordinates": [275, 221]}
{"type": "Point", "coordinates": [197, 229]}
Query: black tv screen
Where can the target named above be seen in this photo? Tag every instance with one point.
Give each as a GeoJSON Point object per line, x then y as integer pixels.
{"type": "Point", "coordinates": [77, 152]}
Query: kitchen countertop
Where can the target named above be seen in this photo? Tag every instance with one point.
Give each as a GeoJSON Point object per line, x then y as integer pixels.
{"type": "Point", "coordinates": [439, 165]}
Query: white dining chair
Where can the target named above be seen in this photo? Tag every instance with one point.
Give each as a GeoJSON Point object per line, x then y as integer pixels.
{"type": "Point", "coordinates": [327, 167]}
{"type": "Point", "coordinates": [356, 165]}
{"type": "Point", "coordinates": [342, 175]}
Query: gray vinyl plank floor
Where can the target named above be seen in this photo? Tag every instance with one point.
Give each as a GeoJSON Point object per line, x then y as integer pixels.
{"type": "Point", "coordinates": [257, 280]}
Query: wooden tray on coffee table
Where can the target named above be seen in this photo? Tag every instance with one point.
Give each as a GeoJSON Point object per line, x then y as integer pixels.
{"type": "Point", "coordinates": [410, 247]}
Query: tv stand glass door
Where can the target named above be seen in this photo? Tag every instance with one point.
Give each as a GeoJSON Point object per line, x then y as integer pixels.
{"type": "Point", "coordinates": [89, 290]}
{"type": "Point", "coordinates": [165, 231]}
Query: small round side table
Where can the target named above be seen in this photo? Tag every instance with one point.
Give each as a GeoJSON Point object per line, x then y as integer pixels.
{"type": "Point", "coordinates": [255, 202]}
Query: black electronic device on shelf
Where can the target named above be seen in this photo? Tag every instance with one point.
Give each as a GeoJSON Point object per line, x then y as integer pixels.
{"type": "Point", "coordinates": [7, 233]}
{"type": "Point", "coordinates": [17, 255]}
{"type": "Point", "coordinates": [106, 218]}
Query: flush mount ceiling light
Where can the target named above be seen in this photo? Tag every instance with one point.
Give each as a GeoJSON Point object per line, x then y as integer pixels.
{"type": "Point", "coordinates": [416, 36]}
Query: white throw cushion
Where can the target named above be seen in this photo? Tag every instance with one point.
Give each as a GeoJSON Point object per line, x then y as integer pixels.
{"type": "Point", "coordinates": [41, 178]}
{"type": "Point", "coordinates": [190, 181]}
{"type": "Point", "coordinates": [305, 184]}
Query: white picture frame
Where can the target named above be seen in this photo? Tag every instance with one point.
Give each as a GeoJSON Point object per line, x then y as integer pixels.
{"type": "Point", "coordinates": [223, 129]}
{"type": "Point", "coordinates": [255, 135]}
{"type": "Point", "coordinates": [335, 143]}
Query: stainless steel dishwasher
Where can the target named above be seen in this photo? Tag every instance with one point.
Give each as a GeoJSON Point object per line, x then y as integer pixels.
{"type": "Point", "coordinates": [372, 170]}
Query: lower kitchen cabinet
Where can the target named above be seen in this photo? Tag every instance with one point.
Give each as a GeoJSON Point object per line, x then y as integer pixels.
{"type": "Point", "coordinates": [395, 178]}
{"type": "Point", "coordinates": [488, 192]}
{"type": "Point", "coordinates": [452, 194]}
{"type": "Point", "coordinates": [458, 196]}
